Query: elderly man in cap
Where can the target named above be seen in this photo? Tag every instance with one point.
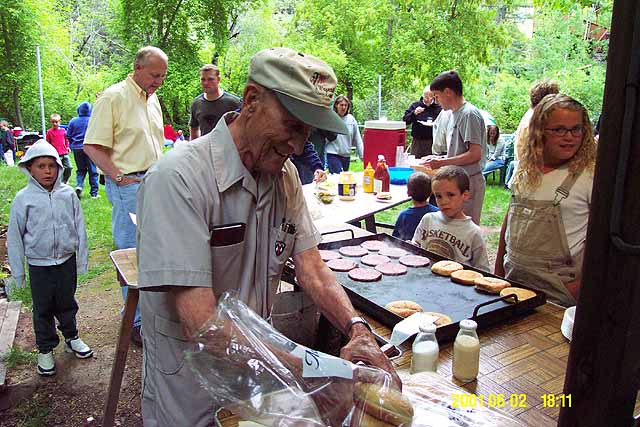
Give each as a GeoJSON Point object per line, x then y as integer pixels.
{"type": "Point", "coordinates": [210, 217]}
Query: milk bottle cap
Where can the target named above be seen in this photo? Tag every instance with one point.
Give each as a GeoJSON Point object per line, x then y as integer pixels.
{"type": "Point", "coordinates": [428, 328]}
{"type": "Point", "coordinates": [468, 324]}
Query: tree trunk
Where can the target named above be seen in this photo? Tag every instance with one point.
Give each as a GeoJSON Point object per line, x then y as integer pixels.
{"type": "Point", "coordinates": [349, 87]}
{"type": "Point", "coordinates": [16, 103]}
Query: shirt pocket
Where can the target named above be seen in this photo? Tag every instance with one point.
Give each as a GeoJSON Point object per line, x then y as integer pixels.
{"type": "Point", "coordinates": [534, 231]}
{"type": "Point", "coordinates": [170, 345]}
{"type": "Point", "coordinates": [227, 263]}
{"type": "Point", "coordinates": [67, 240]}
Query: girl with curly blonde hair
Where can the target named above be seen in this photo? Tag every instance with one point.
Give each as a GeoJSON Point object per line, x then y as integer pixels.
{"type": "Point", "coordinates": [544, 232]}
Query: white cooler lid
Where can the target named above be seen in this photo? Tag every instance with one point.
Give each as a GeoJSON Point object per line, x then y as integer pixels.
{"type": "Point", "coordinates": [384, 124]}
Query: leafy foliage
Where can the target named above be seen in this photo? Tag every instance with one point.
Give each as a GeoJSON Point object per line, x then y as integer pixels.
{"type": "Point", "coordinates": [88, 45]}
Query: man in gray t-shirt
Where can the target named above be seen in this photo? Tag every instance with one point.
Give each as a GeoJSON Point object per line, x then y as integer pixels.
{"type": "Point", "coordinates": [210, 105]}
{"type": "Point", "coordinates": [466, 138]}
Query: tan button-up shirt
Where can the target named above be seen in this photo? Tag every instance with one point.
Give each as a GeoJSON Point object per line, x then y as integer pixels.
{"type": "Point", "coordinates": [126, 121]}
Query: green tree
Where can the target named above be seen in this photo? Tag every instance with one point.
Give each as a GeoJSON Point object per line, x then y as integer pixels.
{"type": "Point", "coordinates": [19, 35]}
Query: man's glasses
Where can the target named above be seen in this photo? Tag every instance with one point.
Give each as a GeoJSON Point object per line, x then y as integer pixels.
{"type": "Point", "coordinates": [575, 131]}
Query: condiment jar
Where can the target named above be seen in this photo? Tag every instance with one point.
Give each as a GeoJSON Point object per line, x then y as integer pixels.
{"type": "Point", "coordinates": [347, 186]}
{"type": "Point", "coordinates": [466, 352]}
{"type": "Point", "coordinates": [425, 350]}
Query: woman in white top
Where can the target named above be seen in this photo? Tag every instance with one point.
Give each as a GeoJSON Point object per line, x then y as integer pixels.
{"type": "Point", "coordinates": [339, 150]}
{"type": "Point", "coordinates": [544, 232]}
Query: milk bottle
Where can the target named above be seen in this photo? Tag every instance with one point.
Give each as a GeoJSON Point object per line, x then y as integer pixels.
{"type": "Point", "coordinates": [425, 350]}
{"type": "Point", "coordinates": [466, 352]}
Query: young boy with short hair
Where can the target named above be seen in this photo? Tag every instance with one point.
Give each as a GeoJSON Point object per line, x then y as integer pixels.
{"type": "Point", "coordinates": [419, 189]}
{"type": "Point", "coordinates": [450, 232]}
{"type": "Point", "coordinates": [57, 137]}
{"type": "Point", "coordinates": [46, 226]}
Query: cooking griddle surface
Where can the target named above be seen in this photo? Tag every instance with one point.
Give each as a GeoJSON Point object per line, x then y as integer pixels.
{"type": "Point", "coordinates": [431, 291]}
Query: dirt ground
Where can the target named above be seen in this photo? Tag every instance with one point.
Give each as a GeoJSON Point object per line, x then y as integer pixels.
{"type": "Point", "coordinates": [79, 388]}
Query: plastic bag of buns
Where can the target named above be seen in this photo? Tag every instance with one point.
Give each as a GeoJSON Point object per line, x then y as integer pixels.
{"type": "Point", "coordinates": [260, 375]}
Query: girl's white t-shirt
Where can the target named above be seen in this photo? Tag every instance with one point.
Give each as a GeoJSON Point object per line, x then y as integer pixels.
{"type": "Point", "coordinates": [574, 209]}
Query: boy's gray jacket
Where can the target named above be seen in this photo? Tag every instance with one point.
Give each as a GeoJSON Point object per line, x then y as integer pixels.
{"type": "Point", "coordinates": [46, 228]}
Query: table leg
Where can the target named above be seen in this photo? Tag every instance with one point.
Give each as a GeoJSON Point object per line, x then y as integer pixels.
{"type": "Point", "coordinates": [370, 224]}
{"type": "Point", "coordinates": [122, 347]}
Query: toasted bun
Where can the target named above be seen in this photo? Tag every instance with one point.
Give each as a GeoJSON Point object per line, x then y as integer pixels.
{"type": "Point", "coordinates": [446, 267]}
{"type": "Point", "coordinates": [443, 319]}
{"type": "Point", "coordinates": [521, 293]}
{"type": "Point", "coordinates": [382, 403]}
{"type": "Point", "coordinates": [403, 308]}
{"type": "Point", "coordinates": [465, 277]}
{"type": "Point", "coordinates": [491, 285]}
{"type": "Point", "coordinates": [384, 195]}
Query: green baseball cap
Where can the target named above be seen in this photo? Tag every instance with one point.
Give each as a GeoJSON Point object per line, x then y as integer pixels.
{"type": "Point", "coordinates": [304, 85]}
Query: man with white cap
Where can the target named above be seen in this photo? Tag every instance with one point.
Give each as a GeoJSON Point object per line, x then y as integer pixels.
{"type": "Point", "coordinates": [225, 214]}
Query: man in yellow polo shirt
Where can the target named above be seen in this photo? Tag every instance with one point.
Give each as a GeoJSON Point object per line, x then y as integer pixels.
{"type": "Point", "coordinates": [124, 138]}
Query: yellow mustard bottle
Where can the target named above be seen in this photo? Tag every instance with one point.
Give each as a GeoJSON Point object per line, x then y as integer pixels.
{"type": "Point", "coordinates": [367, 179]}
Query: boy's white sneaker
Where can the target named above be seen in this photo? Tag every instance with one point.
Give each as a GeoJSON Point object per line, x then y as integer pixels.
{"type": "Point", "coordinates": [46, 364]}
{"type": "Point", "coordinates": [78, 347]}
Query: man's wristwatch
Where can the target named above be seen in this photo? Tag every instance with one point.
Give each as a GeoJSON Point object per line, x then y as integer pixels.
{"type": "Point", "coordinates": [119, 177]}
{"type": "Point", "coordinates": [355, 320]}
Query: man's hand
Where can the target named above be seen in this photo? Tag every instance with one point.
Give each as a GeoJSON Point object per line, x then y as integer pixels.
{"type": "Point", "coordinates": [435, 162]}
{"type": "Point", "coordinates": [418, 110]}
{"type": "Point", "coordinates": [319, 175]}
{"type": "Point", "coordinates": [362, 347]}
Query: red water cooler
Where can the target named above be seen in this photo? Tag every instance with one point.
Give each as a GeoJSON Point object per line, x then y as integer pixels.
{"type": "Point", "coordinates": [383, 137]}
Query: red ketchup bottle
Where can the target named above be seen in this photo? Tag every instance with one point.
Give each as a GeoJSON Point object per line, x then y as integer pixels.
{"type": "Point", "coordinates": [381, 177]}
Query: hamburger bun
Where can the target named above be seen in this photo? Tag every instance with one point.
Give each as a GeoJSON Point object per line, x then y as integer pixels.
{"type": "Point", "coordinates": [443, 319]}
{"type": "Point", "coordinates": [383, 195]}
{"type": "Point", "coordinates": [403, 308]}
{"type": "Point", "coordinates": [384, 404]}
{"type": "Point", "coordinates": [446, 267]}
{"type": "Point", "coordinates": [465, 277]}
{"type": "Point", "coordinates": [491, 285]}
{"type": "Point", "coordinates": [521, 293]}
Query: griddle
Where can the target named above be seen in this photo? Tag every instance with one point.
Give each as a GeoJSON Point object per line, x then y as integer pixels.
{"type": "Point", "coordinates": [432, 292]}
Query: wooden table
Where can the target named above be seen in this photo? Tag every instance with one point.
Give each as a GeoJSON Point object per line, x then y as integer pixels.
{"type": "Point", "coordinates": [527, 355]}
{"type": "Point", "coordinates": [364, 207]}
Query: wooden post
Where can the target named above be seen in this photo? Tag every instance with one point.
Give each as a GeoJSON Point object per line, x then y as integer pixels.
{"type": "Point", "coordinates": [604, 361]}
{"type": "Point", "coordinates": [120, 360]}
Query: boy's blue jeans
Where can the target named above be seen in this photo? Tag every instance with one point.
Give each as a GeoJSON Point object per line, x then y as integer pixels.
{"type": "Point", "coordinates": [85, 166]}
{"type": "Point", "coordinates": [123, 202]}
